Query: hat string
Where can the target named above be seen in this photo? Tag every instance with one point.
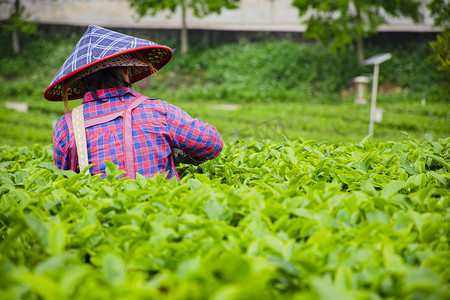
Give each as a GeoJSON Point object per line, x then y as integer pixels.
{"type": "Point", "coordinates": [145, 60]}
{"type": "Point", "coordinates": [66, 98]}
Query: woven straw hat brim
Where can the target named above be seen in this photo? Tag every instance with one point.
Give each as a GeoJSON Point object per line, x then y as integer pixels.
{"type": "Point", "coordinates": [156, 55]}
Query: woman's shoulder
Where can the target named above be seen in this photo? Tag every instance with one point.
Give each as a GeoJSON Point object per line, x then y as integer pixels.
{"type": "Point", "coordinates": [156, 103]}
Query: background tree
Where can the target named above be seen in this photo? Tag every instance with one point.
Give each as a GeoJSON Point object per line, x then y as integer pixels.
{"type": "Point", "coordinates": [200, 9]}
{"type": "Point", "coordinates": [343, 22]}
{"type": "Point", "coordinates": [440, 11]}
{"type": "Point", "coordinates": [17, 22]}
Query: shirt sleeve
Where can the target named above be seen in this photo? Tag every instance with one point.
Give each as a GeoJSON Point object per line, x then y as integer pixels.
{"type": "Point", "coordinates": [61, 144]}
{"type": "Point", "coordinates": [192, 135]}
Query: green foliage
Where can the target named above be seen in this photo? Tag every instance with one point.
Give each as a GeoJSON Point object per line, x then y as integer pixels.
{"type": "Point", "coordinates": [200, 8]}
{"type": "Point", "coordinates": [440, 56]}
{"type": "Point", "coordinates": [287, 71]}
{"type": "Point", "coordinates": [440, 11]}
{"type": "Point", "coordinates": [242, 72]}
{"type": "Point", "coordinates": [297, 83]}
{"type": "Point", "coordinates": [42, 56]}
{"type": "Point", "coordinates": [291, 220]}
{"type": "Point", "coordinates": [267, 71]}
{"type": "Point", "coordinates": [409, 69]}
{"type": "Point", "coordinates": [339, 23]}
{"type": "Point", "coordinates": [441, 51]}
{"type": "Point", "coordinates": [18, 23]}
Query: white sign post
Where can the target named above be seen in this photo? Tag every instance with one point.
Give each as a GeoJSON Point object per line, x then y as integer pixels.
{"type": "Point", "coordinates": [376, 61]}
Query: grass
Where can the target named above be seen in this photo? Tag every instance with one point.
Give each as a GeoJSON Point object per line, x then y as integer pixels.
{"type": "Point", "coordinates": [278, 88]}
{"type": "Point", "coordinates": [335, 122]}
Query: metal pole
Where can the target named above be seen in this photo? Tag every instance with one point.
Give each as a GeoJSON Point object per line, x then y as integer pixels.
{"type": "Point", "coordinates": [373, 102]}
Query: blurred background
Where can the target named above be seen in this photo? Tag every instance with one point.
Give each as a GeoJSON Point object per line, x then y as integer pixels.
{"type": "Point", "coordinates": [264, 69]}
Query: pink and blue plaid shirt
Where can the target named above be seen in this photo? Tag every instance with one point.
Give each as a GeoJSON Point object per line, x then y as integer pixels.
{"type": "Point", "coordinates": [157, 128]}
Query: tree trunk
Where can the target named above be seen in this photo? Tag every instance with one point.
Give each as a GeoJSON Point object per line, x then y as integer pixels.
{"type": "Point", "coordinates": [16, 40]}
{"type": "Point", "coordinates": [360, 50]}
{"type": "Point", "coordinates": [184, 35]}
{"type": "Point", "coordinates": [359, 41]}
{"type": "Point", "coordinates": [16, 31]}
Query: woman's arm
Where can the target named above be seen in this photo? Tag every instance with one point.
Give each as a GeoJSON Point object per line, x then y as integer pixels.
{"type": "Point", "coordinates": [199, 140]}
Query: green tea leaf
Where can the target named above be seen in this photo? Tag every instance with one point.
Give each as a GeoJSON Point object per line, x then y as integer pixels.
{"type": "Point", "coordinates": [440, 161]}
{"type": "Point", "coordinates": [39, 228]}
{"type": "Point", "coordinates": [188, 268]}
{"type": "Point", "coordinates": [439, 177]}
{"type": "Point", "coordinates": [114, 269]}
{"type": "Point", "coordinates": [56, 238]}
{"type": "Point", "coordinates": [326, 290]}
{"type": "Point", "coordinates": [392, 188]}
{"type": "Point", "coordinates": [422, 279]}
{"type": "Point", "coordinates": [73, 277]}
{"type": "Point", "coordinates": [214, 210]}
{"type": "Point", "coordinates": [194, 184]}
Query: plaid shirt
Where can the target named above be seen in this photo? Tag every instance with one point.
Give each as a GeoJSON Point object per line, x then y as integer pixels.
{"type": "Point", "coordinates": [158, 127]}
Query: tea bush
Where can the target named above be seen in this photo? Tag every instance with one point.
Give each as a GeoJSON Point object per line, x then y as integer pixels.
{"type": "Point", "coordinates": [291, 220]}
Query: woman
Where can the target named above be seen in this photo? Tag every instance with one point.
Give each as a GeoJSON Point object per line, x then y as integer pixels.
{"type": "Point", "coordinates": [117, 124]}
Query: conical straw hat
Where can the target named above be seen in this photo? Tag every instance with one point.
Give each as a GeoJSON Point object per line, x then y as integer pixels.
{"type": "Point", "coordinates": [101, 48]}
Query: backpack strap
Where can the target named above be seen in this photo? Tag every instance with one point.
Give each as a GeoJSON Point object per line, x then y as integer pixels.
{"type": "Point", "coordinates": [77, 135]}
{"type": "Point", "coordinates": [80, 137]}
{"type": "Point", "coordinates": [128, 147]}
{"type": "Point", "coordinates": [103, 118]}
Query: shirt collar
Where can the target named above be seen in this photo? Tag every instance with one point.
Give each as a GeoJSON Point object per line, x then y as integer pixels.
{"type": "Point", "coordinates": [105, 94]}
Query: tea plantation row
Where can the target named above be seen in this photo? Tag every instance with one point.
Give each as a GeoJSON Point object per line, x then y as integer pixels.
{"type": "Point", "coordinates": [292, 220]}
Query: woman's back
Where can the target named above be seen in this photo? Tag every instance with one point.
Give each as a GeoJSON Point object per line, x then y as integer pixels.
{"type": "Point", "coordinates": [157, 128]}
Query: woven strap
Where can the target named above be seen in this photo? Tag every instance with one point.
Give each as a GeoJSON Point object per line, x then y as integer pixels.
{"type": "Point", "coordinates": [80, 137]}
{"type": "Point", "coordinates": [128, 137]}
{"type": "Point", "coordinates": [78, 125]}
{"type": "Point", "coordinates": [73, 160]}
